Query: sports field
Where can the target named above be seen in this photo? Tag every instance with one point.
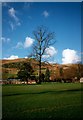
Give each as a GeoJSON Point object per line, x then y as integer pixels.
{"type": "Point", "coordinates": [46, 101]}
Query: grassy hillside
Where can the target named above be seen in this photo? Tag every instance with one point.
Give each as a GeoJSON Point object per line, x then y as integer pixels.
{"type": "Point", "coordinates": [10, 68]}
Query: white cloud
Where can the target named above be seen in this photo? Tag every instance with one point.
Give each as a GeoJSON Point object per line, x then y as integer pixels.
{"type": "Point", "coordinates": [53, 62]}
{"type": "Point", "coordinates": [28, 42]}
{"type": "Point", "coordinates": [70, 56]}
{"type": "Point", "coordinates": [19, 45]}
{"type": "Point", "coordinates": [12, 25]}
{"type": "Point", "coordinates": [3, 39]}
{"type": "Point", "coordinates": [45, 13]}
{"type": "Point", "coordinates": [18, 23]}
{"type": "Point", "coordinates": [12, 12]}
{"type": "Point", "coordinates": [26, 57]}
{"type": "Point", "coordinates": [49, 52]}
{"type": "Point", "coordinates": [45, 56]}
{"type": "Point", "coordinates": [8, 39]}
{"type": "Point", "coordinates": [11, 57]}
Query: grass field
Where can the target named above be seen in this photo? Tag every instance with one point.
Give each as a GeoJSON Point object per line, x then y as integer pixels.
{"type": "Point", "coordinates": [46, 101]}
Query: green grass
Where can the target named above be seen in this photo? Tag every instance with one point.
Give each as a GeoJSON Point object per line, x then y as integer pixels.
{"type": "Point", "coordinates": [45, 101]}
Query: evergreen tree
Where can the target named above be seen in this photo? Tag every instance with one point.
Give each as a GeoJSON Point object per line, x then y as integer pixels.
{"type": "Point", "coordinates": [47, 75]}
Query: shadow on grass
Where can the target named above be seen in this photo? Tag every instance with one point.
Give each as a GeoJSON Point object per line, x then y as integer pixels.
{"type": "Point", "coordinates": [46, 92]}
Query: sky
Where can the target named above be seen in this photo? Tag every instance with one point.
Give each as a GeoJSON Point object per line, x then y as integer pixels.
{"type": "Point", "coordinates": [20, 19]}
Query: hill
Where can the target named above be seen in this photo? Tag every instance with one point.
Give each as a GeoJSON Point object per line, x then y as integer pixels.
{"type": "Point", "coordinates": [57, 71]}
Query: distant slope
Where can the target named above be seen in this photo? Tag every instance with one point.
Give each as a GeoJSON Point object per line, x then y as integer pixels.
{"type": "Point", "coordinates": [12, 61]}
{"type": "Point", "coordinates": [69, 70]}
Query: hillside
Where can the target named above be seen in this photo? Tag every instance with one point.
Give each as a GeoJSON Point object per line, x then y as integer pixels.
{"type": "Point", "coordinates": [10, 68]}
{"type": "Point", "coordinates": [15, 60]}
{"type": "Point", "coordinates": [13, 63]}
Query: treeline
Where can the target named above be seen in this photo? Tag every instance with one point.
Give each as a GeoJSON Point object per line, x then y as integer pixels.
{"type": "Point", "coordinates": [12, 65]}
{"type": "Point", "coordinates": [67, 73]}
{"type": "Point", "coordinates": [26, 70]}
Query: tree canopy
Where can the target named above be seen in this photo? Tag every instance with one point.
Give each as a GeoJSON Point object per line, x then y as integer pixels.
{"type": "Point", "coordinates": [43, 39]}
{"type": "Point", "coordinates": [25, 71]}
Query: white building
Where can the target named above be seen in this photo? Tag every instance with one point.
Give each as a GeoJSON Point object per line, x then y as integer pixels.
{"type": "Point", "coordinates": [81, 80]}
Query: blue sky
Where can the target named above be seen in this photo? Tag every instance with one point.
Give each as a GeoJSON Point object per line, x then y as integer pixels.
{"type": "Point", "coordinates": [20, 19]}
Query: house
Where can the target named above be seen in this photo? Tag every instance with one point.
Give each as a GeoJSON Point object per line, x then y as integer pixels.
{"type": "Point", "coordinates": [0, 81]}
{"type": "Point", "coordinates": [81, 80]}
{"type": "Point", "coordinates": [4, 82]}
{"type": "Point", "coordinates": [31, 82]}
{"type": "Point", "coordinates": [14, 81]}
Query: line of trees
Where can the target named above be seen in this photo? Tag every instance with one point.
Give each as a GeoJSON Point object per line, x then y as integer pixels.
{"type": "Point", "coordinates": [26, 72]}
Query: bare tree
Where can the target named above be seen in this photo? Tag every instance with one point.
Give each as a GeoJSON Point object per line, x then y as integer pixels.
{"type": "Point", "coordinates": [43, 39]}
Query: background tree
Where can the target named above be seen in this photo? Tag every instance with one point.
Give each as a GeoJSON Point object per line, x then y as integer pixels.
{"type": "Point", "coordinates": [47, 75]}
{"type": "Point", "coordinates": [43, 39]}
{"type": "Point", "coordinates": [61, 73]}
{"type": "Point", "coordinates": [79, 70]}
{"type": "Point", "coordinates": [25, 71]}
{"type": "Point", "coordinates": [5, 74]}
{"type": "Point", "coordinates": [42, 77]}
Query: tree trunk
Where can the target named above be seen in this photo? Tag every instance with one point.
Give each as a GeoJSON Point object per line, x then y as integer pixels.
{"type": "Point", "coordinates": [40, 71]}
{"type": "Point", "coordinates": [40, 62]}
